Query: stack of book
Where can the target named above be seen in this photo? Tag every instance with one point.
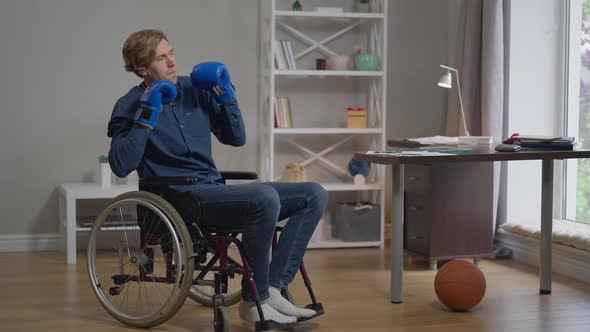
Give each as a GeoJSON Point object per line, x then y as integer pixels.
{"type": "Point", "coordinates": [284, 58]}
{"type": "Point", "coordinates": [282, 110]}
{"type": "Point", "coordinates": [538, 142]}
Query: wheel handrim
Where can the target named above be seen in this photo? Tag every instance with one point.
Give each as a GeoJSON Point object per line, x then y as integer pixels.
{"type": "Point", "coordinates": [118, 288]}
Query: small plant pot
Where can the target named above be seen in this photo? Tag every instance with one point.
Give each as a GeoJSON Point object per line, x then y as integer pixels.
{"type": "Point", "coordinates": [362, 7]}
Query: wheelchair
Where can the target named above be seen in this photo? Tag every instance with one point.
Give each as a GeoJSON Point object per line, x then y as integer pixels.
{"type": "Point", "coordinates": [147, 253]}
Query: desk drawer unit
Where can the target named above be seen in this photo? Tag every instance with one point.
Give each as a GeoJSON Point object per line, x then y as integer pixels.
{"type": "Point", "coordinates": [448, 210]}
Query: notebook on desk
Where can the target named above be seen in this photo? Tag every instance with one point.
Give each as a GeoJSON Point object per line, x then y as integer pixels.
{"type": "Point", "coordinates": [446, 149]}
{"type": "Point", "coordinates": [550, 145]}
{"type": "Point", "coordinates": [544, 139]}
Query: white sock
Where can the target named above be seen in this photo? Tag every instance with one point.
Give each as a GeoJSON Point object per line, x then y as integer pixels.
{"type": "Point", "coordinates": [282, 305]}
{"type": "Point", "coordinates": [249, 312]}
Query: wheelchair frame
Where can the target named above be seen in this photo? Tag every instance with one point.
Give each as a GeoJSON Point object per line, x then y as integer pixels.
{"type": "Point", "coordinates": [192, 251]}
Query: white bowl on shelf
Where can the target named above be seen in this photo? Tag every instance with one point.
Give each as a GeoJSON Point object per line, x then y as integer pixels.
{"type": "Point", "coordinates": [476, 140]}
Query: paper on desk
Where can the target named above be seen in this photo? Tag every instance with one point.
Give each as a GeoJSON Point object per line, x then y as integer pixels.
{"type": "Point", "coordinates": [436, 140]}
{"type": "Point", "coordinates": [406, 153]}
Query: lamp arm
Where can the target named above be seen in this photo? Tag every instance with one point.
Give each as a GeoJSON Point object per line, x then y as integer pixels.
{"type": "Point", "coordinates": [461, 102]}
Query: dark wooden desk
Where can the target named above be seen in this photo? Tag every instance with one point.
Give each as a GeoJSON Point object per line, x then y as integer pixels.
{"type": "Point", "coordinates": [481, 153]}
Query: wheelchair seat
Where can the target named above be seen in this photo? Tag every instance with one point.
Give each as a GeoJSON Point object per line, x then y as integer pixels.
{"type": "Point", "coordinates": [185, 202]}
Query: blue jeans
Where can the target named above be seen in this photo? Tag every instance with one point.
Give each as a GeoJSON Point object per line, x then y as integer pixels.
{"type": "Point", "coordinates": [256, 208]}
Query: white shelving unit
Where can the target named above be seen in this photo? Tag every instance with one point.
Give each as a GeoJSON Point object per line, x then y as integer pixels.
{"type": "Point", "coordinates": [319, 137]}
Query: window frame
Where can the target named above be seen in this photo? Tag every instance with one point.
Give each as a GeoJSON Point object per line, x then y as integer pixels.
{"type": "Point", "coordinates": [572, 36]}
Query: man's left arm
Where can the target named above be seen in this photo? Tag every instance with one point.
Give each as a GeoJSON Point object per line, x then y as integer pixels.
{"type": "Point", "coordinates": [226, 119]}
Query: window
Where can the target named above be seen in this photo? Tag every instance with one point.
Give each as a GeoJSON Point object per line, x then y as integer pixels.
{"type": "Point", "coordinates": [577, 174]}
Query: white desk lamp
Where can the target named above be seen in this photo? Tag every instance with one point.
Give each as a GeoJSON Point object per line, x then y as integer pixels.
{"type": "Point", "coordinates": [446, 81]}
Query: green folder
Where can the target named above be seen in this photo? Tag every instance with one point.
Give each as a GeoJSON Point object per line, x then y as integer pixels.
{"type": "Point", "coordinates": [446, 149]}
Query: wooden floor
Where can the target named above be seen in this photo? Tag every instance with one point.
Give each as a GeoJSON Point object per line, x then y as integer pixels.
{"type": "Point", "coordinates": [40, 292]}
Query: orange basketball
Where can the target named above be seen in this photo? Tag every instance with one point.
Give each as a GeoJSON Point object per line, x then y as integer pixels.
{"type": "Point", "coordinates": [460, 285]}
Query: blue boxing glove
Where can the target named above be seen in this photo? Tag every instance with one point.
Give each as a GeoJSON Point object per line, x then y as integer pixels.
{"type": "Point", "coordinates": [151, 102]}
{"type": "Point", "coordinates": [214, 77]}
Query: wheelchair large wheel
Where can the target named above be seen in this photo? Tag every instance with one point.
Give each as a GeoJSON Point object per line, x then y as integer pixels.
{"type": "Point", "coordinates": [203, 292]}
{"type": "Point", "coordinates": [139, 259]}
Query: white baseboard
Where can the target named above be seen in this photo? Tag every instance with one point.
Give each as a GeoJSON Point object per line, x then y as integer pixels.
{"type": "Point", "coordinates": [29, 242]}
{"type": "Point", "coordinates": [568, 261]}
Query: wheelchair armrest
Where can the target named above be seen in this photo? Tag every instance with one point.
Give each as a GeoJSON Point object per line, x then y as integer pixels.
{"type": "Point", "coordinates": [163, 181]}
{"type": "Point", "coordinates": [239, 175]}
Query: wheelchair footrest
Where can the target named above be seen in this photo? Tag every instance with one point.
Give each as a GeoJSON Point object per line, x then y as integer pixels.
{"type": "Point", "coordinates": [272, 325]}
{"type": "Point", "coordinates": [318, 308]}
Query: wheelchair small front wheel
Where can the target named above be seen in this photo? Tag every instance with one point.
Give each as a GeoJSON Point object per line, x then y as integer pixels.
{"type": "Point", "coordinates": [139, 259]}
{"type": "Point", "coordinates": [202, 292]}
{"type": "Point", "coordinates": [221, 321]}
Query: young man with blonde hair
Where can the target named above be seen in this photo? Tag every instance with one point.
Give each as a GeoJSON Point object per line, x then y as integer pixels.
{"type": "Point", "coordinates": [163, 126]}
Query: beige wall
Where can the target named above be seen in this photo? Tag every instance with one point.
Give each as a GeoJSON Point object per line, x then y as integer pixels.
{"type": "Point", "coordinates": [62, 72]}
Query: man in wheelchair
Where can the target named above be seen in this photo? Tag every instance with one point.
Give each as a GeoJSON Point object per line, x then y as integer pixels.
{"type": "Point", "coordinates": [162, 128]}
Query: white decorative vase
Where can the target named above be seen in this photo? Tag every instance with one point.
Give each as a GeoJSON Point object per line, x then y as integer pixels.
{"type": "Point", "coordinates": [105, 175]}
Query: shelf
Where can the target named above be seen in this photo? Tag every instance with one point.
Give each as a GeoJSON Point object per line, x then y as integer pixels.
{"type": "Point", "coordinates": [109, 223]}
{"type": "Point", "coordinates": [109, 228]}
{"type": "Point", "coordinates": [330, 131]}
{"type": "Point", "coordinates": [342, 244]}
{"type": "Point", "coordinates": [322, 73]}
{"type": "Point", "coordinates": [336, 186]}
{"type": "Point", "coordinates": [289, 13]}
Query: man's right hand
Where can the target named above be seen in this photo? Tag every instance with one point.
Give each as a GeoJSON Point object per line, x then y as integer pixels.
{"type": "Point", "coordinates": [151, 102]}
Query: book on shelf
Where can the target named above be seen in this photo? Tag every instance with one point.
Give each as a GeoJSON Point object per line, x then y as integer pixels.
{"type": "Point", "coordinates": [289, 53]}
{"type": "Point", "coordinates": [280, 62]}
{"type": "Point", "coordinates": [282, 113]}
{"type": "Point", "coordinates": [277, 119]}
{"type": "Point", "coordinates": [284, 58]}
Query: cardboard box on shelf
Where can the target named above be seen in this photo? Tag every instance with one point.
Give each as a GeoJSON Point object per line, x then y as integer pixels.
{"type": "Point", "coordinates": [357, 117]}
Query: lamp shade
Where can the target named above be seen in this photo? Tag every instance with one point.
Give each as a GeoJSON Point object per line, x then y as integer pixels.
{"type": "Point", "coordinates": [446, 80]}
